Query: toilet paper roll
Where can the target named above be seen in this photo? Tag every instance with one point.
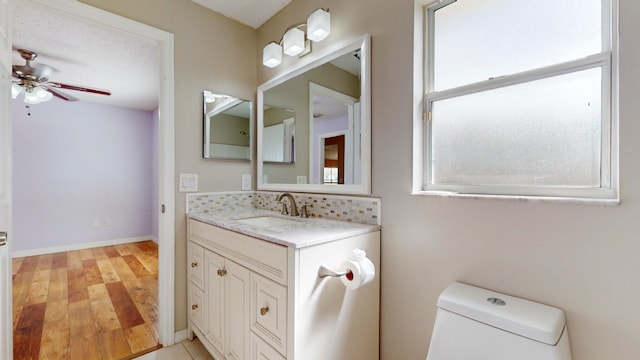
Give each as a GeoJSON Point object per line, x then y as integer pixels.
{"type": "Point", "coordinates": [362, 272]}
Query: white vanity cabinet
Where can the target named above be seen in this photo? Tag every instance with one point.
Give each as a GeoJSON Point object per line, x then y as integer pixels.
{"type": "Point", "coordinates": [254, 299]}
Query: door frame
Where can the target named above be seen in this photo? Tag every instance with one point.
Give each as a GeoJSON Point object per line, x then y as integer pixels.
{"type": "Point", "coordinates": [166, 144]}
{"type": "Point", "coordinates": [6, 308]}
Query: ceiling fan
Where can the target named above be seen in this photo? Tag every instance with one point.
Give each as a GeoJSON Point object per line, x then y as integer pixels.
{"type": "Point", "coordinates": [33, 80]}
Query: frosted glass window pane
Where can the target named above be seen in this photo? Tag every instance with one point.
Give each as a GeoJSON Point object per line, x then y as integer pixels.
{"type": "Point", "coordinates": [479, 39]}
{"type": "Point", "coordinates": [539, 133]}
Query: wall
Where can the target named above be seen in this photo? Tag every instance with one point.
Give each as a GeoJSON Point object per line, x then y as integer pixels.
{"type": "Point", "coordinates": [211, 52]}
{"type": "Point", "coordinates": [581, 258]}
{"type": "Point", "coordinates": [228, 129]}
{"type": "Point", "coordinates": [76, 162]}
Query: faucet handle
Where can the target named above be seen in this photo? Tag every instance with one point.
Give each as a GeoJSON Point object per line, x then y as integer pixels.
{"type": "Point", "coordinates": [284, 210]}
{"type": "Point", "coordinates": [303, 210]}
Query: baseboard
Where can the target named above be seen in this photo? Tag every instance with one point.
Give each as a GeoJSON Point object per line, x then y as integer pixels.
{"type": "Point", "coordinates": [180, 336]}
{"type": "Point", "coordinates": [56, 249]}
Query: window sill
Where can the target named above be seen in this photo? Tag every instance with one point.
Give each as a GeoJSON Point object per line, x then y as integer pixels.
{"type": "Point", "coordinates": [554, 199]}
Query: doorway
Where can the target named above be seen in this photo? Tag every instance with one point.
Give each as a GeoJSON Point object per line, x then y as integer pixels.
{"type": "Point", "coordinates": [334, 160]}
{"type": "Point", "coordinates": [333, 114]}
{"type": "Point", "coordinates": [165, 141]}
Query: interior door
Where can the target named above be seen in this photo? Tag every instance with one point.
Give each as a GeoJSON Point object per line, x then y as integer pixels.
{"type": "Point", "coordinates": [6, 318]}
{"type": "Point", "coordinates": [334, 155]}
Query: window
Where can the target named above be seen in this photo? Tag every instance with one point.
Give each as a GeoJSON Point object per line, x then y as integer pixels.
{"type": "Point", "coordinates": [330, 175]}
{"type": "Point", "coordinates": [518, 98]}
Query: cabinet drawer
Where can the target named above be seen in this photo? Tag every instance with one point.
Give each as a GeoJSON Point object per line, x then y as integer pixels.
{"type": "Point", "coordinates": [260, 350]}
{"type": "Point", "coordinates": [255, 254]}
{"type": "Point", "coordinates": [269, 311]}
{"type": "Point", "coordinates": [196, 306]}
{"type": "Point", "coordinates": [195, 264]}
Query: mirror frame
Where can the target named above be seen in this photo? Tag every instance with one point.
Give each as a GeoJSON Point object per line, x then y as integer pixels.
{"type": "Point", "coordinates": [364, 44]}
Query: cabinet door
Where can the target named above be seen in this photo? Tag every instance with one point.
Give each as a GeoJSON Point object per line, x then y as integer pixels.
{"type": "Point", "coordinates": [237, 310]}
{"type": "Point", "coordinates": [214, 297]}
{"type": "Point", "coordinates": [195, 264]}
{"type": "Point", "coordinates": [269, 311]}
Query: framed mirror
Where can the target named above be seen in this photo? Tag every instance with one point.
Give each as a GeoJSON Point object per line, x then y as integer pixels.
{"type": "Point", "coordinates": [328, 103]}
{"type": "Point", "coordinates": [226, 127]}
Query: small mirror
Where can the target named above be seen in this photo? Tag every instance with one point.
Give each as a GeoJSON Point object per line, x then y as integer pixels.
{"type": "Point", "coordinates": [327, 104]}
{"type": "Point", "coordinates": [227, 127]}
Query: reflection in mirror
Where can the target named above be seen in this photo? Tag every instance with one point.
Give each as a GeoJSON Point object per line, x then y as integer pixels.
{"type": "Point", "coordinates": [333, 114]}
{"type": "Point", "coordinates": [333, 163]}
{"type": "Point", "coordinates": [279, 135]}
{"type": "Point", "coordinates": [330, 99]}
{"type": "Point", "coordinates": [227, 125]}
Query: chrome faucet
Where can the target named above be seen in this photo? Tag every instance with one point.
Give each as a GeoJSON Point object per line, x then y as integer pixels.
{"type": "Point", "coordinates": [294, 209]}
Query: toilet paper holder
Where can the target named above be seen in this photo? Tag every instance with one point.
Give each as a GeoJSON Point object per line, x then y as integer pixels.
{"type": "Point", "coordinates": [324, 271]}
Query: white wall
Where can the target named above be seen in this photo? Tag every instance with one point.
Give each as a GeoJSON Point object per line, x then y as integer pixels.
{"type": "Point", "coordinates": [581, 258]}
{"type": "Point", "coordinates": [75, 162]}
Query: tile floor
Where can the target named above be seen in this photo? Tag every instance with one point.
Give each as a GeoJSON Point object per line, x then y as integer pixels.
{"type": "Point", "coordinates": [181, 351]}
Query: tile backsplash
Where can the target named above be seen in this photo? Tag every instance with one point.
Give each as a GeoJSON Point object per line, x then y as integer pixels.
{"type": "Point", "coordinates": [219, 201]}
{"type": "Point", "coordinates": [364, 210]}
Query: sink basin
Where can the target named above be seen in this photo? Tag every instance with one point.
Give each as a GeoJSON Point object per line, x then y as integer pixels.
{"type": "Point", "coordinates": [266, 221]}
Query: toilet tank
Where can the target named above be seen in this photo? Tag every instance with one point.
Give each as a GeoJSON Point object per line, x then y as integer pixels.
{"type": "Point", "coordinates": [478, 324]}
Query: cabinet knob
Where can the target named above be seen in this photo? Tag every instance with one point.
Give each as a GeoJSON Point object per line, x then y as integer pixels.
{"type": "Point", "coordinates": [194, 306]}
{"type": "Point", "coordinates": [222, 272]}
{"type": "Point", "coordinates": [264, 310]}
{"type": "Point", "coordinates": [194, 264]}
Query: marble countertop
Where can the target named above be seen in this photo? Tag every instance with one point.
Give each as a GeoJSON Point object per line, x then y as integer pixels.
{"type": "Point", "coordinates": [301, 233]}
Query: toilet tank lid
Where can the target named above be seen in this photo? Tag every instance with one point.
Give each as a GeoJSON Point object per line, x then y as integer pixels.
{"type": "Point", "coordinates": [532, 320]}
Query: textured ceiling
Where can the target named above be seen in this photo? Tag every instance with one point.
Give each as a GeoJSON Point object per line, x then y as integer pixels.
{"type": "Point", "coordinates": [249, 12]}
{"type": "Point", "coordinates": [88, 55]}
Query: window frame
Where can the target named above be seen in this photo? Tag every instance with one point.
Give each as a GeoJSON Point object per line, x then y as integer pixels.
{"type": "Point", "coordinates": [424, 97]}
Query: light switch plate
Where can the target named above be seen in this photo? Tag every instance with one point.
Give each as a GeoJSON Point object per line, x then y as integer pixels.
{"type": "Point", "coordinates": [188, 183]}
{"type": "Point", "coordinates": [246, 182]}
{"type": "Point", "coordinates": [301, 179]}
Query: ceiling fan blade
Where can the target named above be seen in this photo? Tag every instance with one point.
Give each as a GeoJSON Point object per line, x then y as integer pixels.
{"type": "Point", "coordinates": [80, 88]}
{"type": "Point", "coordinates": [59, 94]}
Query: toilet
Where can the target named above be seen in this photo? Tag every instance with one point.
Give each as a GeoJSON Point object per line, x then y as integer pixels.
{"type": "Point", "coordinates": [478, 324]}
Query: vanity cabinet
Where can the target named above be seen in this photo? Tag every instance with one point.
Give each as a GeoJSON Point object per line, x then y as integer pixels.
{"type": "Point", "coordinates": [219, 300]}
{"type": "Point", "coordinates": [254, 299]}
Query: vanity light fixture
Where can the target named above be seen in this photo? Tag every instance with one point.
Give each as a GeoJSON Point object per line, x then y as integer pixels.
{"type": "Point", "coordinates": [318, 25]}
{"type": "Point", "coordinates": [293, 42]}
{"type": "Point", "coordinates": [272, 55]}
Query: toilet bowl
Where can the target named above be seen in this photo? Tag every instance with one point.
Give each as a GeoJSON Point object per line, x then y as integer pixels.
{"type": "Point", "coordinates": [478, 324]}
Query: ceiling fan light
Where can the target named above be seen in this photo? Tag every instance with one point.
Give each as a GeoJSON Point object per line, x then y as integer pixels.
{"type": "Point", "coordinates": [31, 97]}
{"type": "Point", "coordinates": [40, 92]}
{"type": "Point", "coordinates": [318, 25]}
{"type": "Point", "coordinates": [272, 55]}
{"type": "Point", "coordinates": [15, 90]}
{"type": "Point", "coordinates": [293, 42]}
{"type": "Point", "coordinates": [45, 96]}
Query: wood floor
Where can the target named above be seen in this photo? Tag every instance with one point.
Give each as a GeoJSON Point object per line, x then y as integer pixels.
{"type": "Point", "coordinates": [89, 304]}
